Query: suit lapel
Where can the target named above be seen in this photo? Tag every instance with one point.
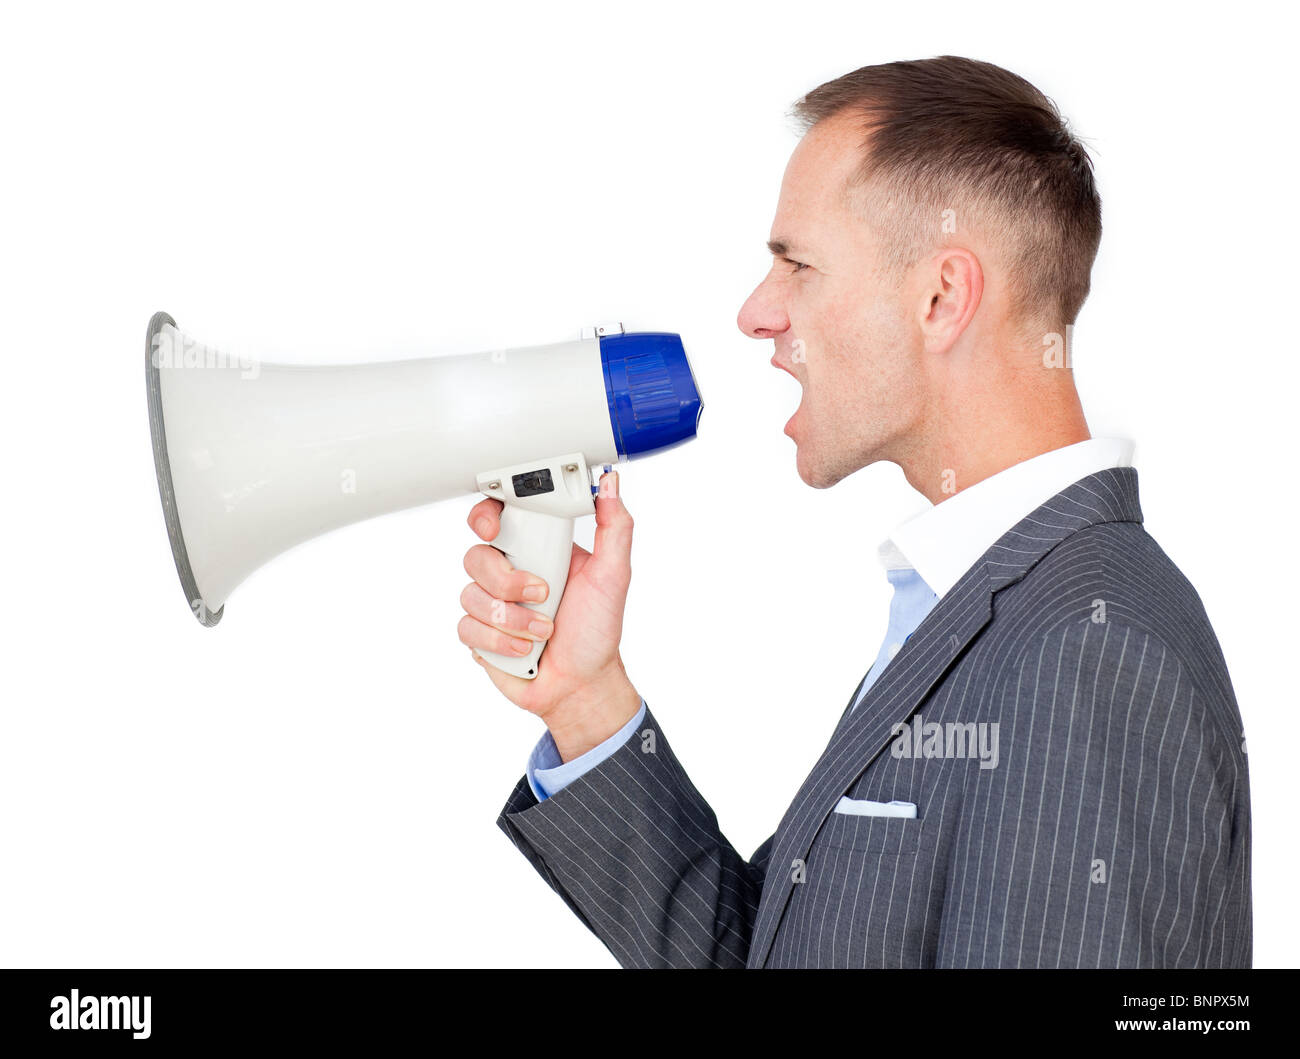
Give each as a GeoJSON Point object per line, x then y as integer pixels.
{"type": "Point", "coordinates": [947, 629]}
{"type": "Point", "coordinates": [1108, 496]}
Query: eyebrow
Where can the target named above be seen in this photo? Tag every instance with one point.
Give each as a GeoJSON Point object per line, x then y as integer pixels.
{"type": "Point", "coordinates": [781, 248]}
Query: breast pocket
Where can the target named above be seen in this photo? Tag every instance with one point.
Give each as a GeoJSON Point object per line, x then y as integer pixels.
{"type": "Point", "coordinates": [855, 906]}
{"type": "Point", "coordinates": [872, 833]}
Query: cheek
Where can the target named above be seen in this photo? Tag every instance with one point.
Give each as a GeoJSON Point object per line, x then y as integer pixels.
{"type": "Point", "coordinates": [853, 340]}
{"type": "Point", "coordinates": [816, 307]}
{"type": "Point", "coordinates": [883, 340]}
{"type": "Point", "coordinates": [815, 338]}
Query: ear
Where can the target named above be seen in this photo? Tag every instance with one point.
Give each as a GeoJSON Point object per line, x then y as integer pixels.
{"type": "Point", "coordinates": [953, 286]}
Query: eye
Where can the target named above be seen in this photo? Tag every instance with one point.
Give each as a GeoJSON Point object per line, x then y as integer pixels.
{"type": "Point", "coordinates": [799, 266]}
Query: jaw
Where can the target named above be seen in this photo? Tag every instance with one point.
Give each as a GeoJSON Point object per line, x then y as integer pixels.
{"type": "Point", "coordinates": [812, 467]}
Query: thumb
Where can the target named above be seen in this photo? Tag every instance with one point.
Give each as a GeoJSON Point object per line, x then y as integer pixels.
{"type": "Point", "coordinates": [612, 547]}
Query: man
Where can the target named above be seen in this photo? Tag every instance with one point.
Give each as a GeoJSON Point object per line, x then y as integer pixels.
{"type": "Point", "coordinates": [1045, 766]}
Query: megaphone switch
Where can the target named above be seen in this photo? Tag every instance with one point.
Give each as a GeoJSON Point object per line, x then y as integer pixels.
{"type": "Point", "coordinates": [253, 458]}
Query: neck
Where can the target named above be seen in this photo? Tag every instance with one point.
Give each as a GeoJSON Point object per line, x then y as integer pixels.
{"type": "Point", "coordinates": [977, 435]}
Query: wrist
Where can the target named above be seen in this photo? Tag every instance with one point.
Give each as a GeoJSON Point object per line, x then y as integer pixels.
{"type": "Point", "coordinates": [594, 714]}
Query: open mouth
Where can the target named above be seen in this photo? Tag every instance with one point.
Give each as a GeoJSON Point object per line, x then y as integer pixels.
{"type": "Point", "coordinates": [782, 367]}
{"type": "Point", "coordinates": [790, 422]}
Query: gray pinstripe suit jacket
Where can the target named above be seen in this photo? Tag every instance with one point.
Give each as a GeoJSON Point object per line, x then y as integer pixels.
{"type": "Point", "coordinates": [1114, 830]}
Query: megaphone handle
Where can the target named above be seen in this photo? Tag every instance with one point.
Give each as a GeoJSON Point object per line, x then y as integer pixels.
{"type": "Point", "coordinates": [542, 544]}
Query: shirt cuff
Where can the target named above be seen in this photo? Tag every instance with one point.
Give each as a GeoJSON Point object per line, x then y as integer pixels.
{"type": "Point", "coordinates": [548, 775]}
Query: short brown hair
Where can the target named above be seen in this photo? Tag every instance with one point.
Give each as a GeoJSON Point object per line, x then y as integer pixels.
{"type": "Point", "coordinates": [951, 131]}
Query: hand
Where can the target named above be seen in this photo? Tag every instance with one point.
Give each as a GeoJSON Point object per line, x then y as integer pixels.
{"type": "Point", "coordinates": [581, 691]}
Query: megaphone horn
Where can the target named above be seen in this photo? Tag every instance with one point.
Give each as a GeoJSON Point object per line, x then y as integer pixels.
{"type": "Point", "coordinates": [253, 458]}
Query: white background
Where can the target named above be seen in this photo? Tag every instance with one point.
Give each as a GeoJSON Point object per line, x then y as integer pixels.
{"type": "Point", "coordinates": [315, 781]}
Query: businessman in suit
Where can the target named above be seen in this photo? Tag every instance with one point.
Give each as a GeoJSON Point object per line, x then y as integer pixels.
{"type": "Point", "coordinates": [1045, 765]}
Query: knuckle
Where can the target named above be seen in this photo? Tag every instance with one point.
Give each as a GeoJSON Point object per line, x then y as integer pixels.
{"type": "Point", "coordinates": [492, 572]}
{"type": "Point", "coordinates": [478, 561]}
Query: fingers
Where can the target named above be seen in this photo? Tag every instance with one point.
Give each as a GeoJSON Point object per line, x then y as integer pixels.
{"type": "Point", "coordinates": [473, 633]}
{"type": "Point", "coordinates": [485, 518]}
{"type": "Point", "coordinates": [509, 618]}
{"type": "Point", "coordinates": [494, 618]}
{"type": "Point", "coordinates": [500, 580]}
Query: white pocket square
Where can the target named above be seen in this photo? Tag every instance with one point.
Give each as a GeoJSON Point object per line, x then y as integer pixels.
{"type": "Point", "coordinates": [861, 807]}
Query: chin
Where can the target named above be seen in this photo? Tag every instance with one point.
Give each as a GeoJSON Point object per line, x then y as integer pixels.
{"type": "Point", "coordinates": [813, 473]}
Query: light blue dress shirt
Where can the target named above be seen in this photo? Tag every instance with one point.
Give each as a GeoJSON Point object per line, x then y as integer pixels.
{"type": "Point", "coordinates": [913, 600]}
{"type": "Point", "coordinates": [548, 774]}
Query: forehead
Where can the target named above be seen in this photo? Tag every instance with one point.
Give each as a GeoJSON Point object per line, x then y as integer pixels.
{"type": "Point", "coordinates": [813, 206]}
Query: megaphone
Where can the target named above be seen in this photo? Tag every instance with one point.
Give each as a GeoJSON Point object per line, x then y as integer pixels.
{"type": "Point", "coordinates": [253, 458]}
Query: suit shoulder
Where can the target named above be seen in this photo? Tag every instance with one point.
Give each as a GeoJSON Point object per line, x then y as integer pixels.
{"type": "Point", "coordinates": [1115, 574]}
{"type": "Point", "coordinates": [1115, 571]}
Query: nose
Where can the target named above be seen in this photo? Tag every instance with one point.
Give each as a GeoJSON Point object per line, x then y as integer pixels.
{"type": "Point", "coordinates": [763, 315]}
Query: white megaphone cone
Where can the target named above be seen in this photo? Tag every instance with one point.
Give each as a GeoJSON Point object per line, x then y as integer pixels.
{"type": "Point", "coordinates": [254, 458]}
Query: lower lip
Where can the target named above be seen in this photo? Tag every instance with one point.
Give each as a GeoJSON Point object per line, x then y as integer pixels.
{"type": "Point", "coordinates": [789, 422]}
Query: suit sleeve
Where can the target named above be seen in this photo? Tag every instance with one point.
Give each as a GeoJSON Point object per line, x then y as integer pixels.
{"type": "Point", "coordinates": [1114, 831]}
{"type": "Point", "coordinates": [635, 851]}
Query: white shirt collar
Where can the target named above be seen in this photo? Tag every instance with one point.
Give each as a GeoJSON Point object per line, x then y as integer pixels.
{"type": "Point", "coordinates": [945, 539]}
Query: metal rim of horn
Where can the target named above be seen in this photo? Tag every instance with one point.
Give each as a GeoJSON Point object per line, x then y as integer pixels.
{"type": "Point", "coordinates": [163, 468]}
